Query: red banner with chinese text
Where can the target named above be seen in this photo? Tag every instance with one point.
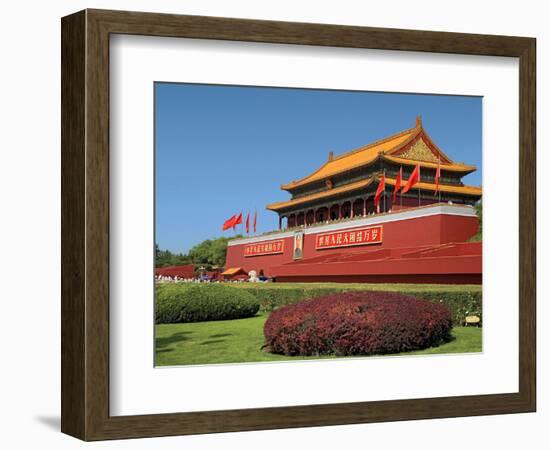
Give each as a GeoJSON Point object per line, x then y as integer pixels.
{"type": "Point", "coordinates": [348, 238]}
{"type": "Point", "coordinates": [264, 248]}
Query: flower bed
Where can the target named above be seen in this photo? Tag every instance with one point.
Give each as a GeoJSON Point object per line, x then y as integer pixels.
{"type": "Point", "coordinates": [357, 323]}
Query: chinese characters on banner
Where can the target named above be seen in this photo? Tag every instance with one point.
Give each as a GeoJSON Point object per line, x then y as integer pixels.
{"type": "Point", "coordinates": [264, 248]}
{"type": "Point", "coordinates": [348, 238]}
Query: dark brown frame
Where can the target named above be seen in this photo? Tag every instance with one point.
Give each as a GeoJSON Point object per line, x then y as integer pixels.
{"type": "Point", "coordinates": [85, 224]}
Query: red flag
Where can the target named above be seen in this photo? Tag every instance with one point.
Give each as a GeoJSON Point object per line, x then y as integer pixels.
{"type": "Point", "coordinates": [379, 190]}
{"type": "Point", "coordinates": [229, 222]}
{"type": "Point", "coordinates": [397, 183]}
{"type": "Point", "coordinates": [247, 223]}
{"type": "Point", "coordinates": [437, 175]}
{"type": "Point", "coordinates": [238, 220]}
{"type": "Point", "coordinates": [413, 179]}
{"type": "Point", "coordinates": [255, 217]}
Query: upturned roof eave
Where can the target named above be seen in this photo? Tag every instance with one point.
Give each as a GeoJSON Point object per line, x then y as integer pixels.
{"type": "Point", "coordinates": [447, 164]}
{"type": "Point", "coordinates": [319, 196]}
{"type": "Point", "coordinates": [471, 191]}
{"type": "Point", "coordinates": [415, 131]}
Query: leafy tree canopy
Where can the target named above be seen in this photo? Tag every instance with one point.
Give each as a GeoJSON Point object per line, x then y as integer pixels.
{"type": "Point", "coordinates": [479, 211]}
{"type": "Point", "coordinates": [165, 258]}
{"type": "Point", "coordinates": [209, 253]}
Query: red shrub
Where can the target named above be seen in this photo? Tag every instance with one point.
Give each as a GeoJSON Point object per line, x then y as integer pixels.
{"type": "Point", "coordinates": [357, 323]}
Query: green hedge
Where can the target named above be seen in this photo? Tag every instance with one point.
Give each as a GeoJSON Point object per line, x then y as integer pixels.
{"type": "Point", "coordinates": [461, 303]}
{"type": "Point", "coordinates": [177, 303]}
{"type": "Point", "coordinates": [272, 297]}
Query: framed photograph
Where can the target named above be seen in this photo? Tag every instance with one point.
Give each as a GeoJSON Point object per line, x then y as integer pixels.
{"type": "Point", "coordinates": [272, 225]}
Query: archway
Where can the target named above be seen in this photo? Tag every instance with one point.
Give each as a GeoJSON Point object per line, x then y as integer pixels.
{"type": "Point", "coordinates": [346, 210]}
{"type": "Point", "coordinates": [291, 221]}
{"type": "Point", "coordinates": [334, 213]}
{"type": "Point", "coordinates": [321, 215]}
{"type": "Point", "coordinates": [310, 217]}
{"type": "Point", "coordinates": [284, 223]}
{"type": "Point", "coordinates": [370, 206]}
{"type": "Point", "coordinates": [358, 207]}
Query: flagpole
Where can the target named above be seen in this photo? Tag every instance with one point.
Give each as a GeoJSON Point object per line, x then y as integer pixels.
{"type": "Point", "coordinates": [385, 209]}
{"type": "Point", "coordinates": [418, 186]}
{"type": "Point", "coordinates": [400, 188]}
{"type": "Point", "coordinates": [438, 176]}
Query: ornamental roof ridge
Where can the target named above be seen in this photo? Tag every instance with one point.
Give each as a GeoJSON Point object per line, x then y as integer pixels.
{"type": "Point", "coordinates": [451, 167]}
{"type": "Point", "coordinates": [393, 148]}
{"type": "Point", "coordinates": [422, 134]}
{"type": "Point", "coordinates": [413, 132]}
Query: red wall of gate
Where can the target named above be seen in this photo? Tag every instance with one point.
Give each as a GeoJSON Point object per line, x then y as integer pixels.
{"type": "Point", "coordinates": [235, 256]}
{"type": "Point", "coordinates": [414, 232]}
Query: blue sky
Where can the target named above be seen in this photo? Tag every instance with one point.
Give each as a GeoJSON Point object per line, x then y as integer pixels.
{"type": "Point", "coordinates": [225, 149]}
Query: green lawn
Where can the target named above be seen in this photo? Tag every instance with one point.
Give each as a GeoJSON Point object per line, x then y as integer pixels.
{"type": "Point", "coordinates": [393, 287]}
{"type": "Point", "coordinates": [232, 341]}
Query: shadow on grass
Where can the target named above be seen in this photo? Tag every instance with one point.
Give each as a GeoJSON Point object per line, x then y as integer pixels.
{"type": "Point", "coordinates": [165, 350]}
{"type": "Point", "coordinates": [220, 335]}
{"type": "Point", "coordinates": [213, 341]}
{"type": "Point", "coordinates": [162, 342]}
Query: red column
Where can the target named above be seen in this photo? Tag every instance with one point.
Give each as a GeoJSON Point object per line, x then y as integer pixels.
{"type": "Point", "coordinates": [280, 222]}
{"type": "Point", "coordinates": [364, 206]}
{"type": "Point", "coordinates": [339, 211]}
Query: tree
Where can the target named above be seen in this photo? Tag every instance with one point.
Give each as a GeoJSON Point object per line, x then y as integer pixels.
{"type": "Point", "coordinates": [211, 252]}
{"type": "Point", "coordinates": [165, 258]}
{"type": "Point", "coordinates": [479, 211]}
{"type": "Point", "coordinates": [208, 253]}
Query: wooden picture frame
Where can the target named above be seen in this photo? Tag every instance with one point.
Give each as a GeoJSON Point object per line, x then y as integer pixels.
{"type": "Point", "coordinates": [85, 224]}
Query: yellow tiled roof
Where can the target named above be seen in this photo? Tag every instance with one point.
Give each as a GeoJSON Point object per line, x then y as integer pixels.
{"type": "Point", "coordinates": [466, 190]}
{"type": "Point", "coordinates": [387, 148]}
{"type": "Point", "coordinates": [356, 158]}
{"type": "Point", "coordinates": [232, 271]}
{"type": "Point", "coordinates": [319, 195]}
{"type": "Point", "coordinates": [412, 162]}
